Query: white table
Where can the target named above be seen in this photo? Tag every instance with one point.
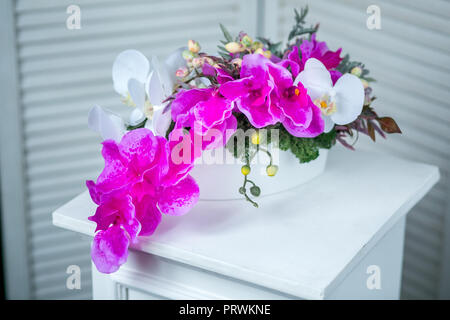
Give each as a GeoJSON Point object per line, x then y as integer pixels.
{"type": "Point", "coordinates": [323, 240]}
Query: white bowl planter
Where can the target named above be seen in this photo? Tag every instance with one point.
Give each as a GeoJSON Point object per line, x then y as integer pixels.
{"type": "Point", "coordinates": [222, 181]}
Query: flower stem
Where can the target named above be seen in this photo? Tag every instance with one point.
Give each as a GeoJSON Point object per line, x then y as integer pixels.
{"type": "Point", "coordinates": [243, 190]}
{"type": "Point", "coordinates": [245, 193]}
{"type": "Point", "coordinates": [268, 153]}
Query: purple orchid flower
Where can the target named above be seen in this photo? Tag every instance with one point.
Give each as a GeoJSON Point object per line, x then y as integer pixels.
{"type": "Point", "coordinates": [251, 92]}
{"type": "Point", "coordinates": [208, 113]}
{"type": "Point", "coordinates": [140, 181]}
{"type": "Point", "coordinates": [312, 49]}
{"type": "Point", "coordinates": [293, 106]}
{"type": "Point", "coordinates": [266, 95]}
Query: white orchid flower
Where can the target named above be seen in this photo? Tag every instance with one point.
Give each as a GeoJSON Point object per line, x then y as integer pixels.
{"type": "Point", "coordinates": [159, 87]}
{"type": "Point", "coordinates": [340, 104]}
{"type": "Point", "coordinates": [146, 85]}
{"type": "Point", "coordinates": [130, 72]}
{"type": "Point", "coordinates": [108, 124]}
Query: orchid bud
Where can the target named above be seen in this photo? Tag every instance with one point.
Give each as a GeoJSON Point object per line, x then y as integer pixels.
{"type": "Point", "coordinates": [356, 71]}
{"type": "Point", "coordinates": [193, 46]}
{"type": "Point", "coordinates": [265, 53]}
{"type": "Point", "coordinates": [197, 62]}
{"type": "Point", "coordinates": [182, 72]}
{"type": "Point", "coordinates": [237, 61]}
{"type": "Point", "coordinates": [245, 170]}
{"type": "Point", "coordinates": [241, 35]}
{"type": "Point", "coordinates": [259, 51]}
{"type": "Point", "coordinates": [255, 191]}
{"type": "Point", "coordinates": [256, 45]}
{"type": "Point", "coordinates": [187, 55]}
{"type": "Point", "coordinates": [271, 170]}
{"type": "Point", "coordinates": [246, 41]}
{"type": "Point", "coordinates": [201, 85]}
{"type": "Point", "coordinates": [233, 47]}
{"type": "Point", "coordinates": [255, 138]}
{"type": "Point", "coordinates": [208, 60]}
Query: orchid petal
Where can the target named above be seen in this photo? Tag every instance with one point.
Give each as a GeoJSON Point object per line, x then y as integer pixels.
{"type": "Point", "coordinates": [110, 249]}
{"type": "Point", "coordinates": [115, 206]}
{"type": "Point", "coordinates": [109, 125]}
{"type": "Point", "coordinates": [154, 88]}
{"type": "Point", "coordinates": [185, 100]}
{"type": "Point", "coordinates": [163, 73]}
{"type": "Point", "coordinates": [148, 215]}
{"type": "Point", "coordinates": [313, 130]}
{"type": "Point", "coordinates": [136, 117]}
{"type": "Point", "coordinates": [212, 112]}
{"type": "Point", "coordinates": [178, 199]}
{"type": "Point", "coordinates": [137, 92]}
{"type": "Point", "coordinates": [315, 78]}
{"type": "Point", "coordinates": [160, 121]}
{"type": "Point", "coordinates": [328, 123]}
{"type": "Point", "coordinates": [349, 99]}
{"type": "Point", "coordinates": [175, 61]}
{"type": "Point", "coordinates": [114, 175]}
{"type": "Point", "coordinates": [204, 81]}
{"type": "Point", "coordinates": [129, 64]}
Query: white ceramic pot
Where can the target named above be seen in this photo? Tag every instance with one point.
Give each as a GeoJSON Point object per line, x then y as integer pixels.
{"type": "Point", "coordinates": [222, 181]}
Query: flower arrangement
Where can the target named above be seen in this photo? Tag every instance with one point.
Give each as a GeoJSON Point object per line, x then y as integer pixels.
{"type": "Point", "coordinates": [193, 102]}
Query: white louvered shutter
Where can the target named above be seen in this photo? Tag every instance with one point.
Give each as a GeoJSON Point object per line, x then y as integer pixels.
{"type": "Point", "coordinates": [410, 58]}
{"type": "Point", "coordinates": [65, 72]}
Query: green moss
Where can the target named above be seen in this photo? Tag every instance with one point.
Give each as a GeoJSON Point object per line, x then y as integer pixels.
{"type": "Point", "coordinates": [306, 149]}
{"type": "Point", "coordinates": [326, 140]}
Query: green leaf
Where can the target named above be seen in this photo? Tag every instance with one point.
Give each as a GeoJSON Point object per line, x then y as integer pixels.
{"type": "Point", "coordinates": [299, 29]}
{"type": "Point", "coordinates": [273, 47]}
{"type": "Point", "coordinates": [225, 32]}
{"type": "Point", "coordinates": [369, 79]}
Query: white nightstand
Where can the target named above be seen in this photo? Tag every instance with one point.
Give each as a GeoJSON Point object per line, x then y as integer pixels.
{"type": "Point", "coordinates": [340, 236]}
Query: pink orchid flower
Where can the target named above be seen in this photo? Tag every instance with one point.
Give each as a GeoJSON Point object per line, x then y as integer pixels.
{"type": "Point", "coordinates": [138, 183]}
{"type": "Point", "coordinates": [298, 56]}
{"type": "Point", "coordinates": [293, 106]}
{"type": "Point", "coordinates": [207, 113]}
{"type": "Point", "coordinates": [266, 95]}
{"type": "Point", "coordinates": [251, 93]}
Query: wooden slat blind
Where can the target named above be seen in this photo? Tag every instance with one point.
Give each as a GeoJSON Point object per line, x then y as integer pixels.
{"type": "Point", "coordinates": [410, 58]}
{"type": "Point", "coordinates": [65, 72]}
